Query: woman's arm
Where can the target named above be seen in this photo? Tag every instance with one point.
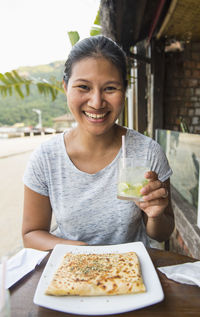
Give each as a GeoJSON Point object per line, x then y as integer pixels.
{"type": "Point", "coordinates": [157, 208]}
{"type": "Point", "coordinates": [37, 221]}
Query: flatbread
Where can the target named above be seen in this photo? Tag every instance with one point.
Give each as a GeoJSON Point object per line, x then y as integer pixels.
{"type": "Point", "coordinates": [97, 274]}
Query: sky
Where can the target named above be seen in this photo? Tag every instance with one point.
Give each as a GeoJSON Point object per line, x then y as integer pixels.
{"type": "Point", "coordinates": [34, 32]}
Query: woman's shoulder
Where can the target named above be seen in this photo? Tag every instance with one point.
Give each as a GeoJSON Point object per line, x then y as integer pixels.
{"type": "Point", "coordinates": [54, 140]}
{"type": "Point", "coordinates": [136, 141]}
{"type": "Point", "coordinates": [133, 135]}
{"type": "Point", "coordinates": [49, 147]}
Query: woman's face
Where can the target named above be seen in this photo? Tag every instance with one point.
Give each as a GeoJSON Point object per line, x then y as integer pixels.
{"type": "Point", "coordinates": [95, 94]}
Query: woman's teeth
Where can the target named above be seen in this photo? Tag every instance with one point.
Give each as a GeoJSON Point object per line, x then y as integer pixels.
{"type": "Point", "coordinates": [95, 116]}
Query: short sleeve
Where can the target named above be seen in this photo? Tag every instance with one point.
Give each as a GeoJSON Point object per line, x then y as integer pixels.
{"type": "Point", "coordinates": [159, 162]}
{"type": "Point", "coordinates": [34, 175]}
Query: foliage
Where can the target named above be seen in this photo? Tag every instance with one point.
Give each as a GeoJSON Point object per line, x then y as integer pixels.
{"type": "Point", "coordinates": [13, 81]}
{"type": "Point", "coordinates": [16, 109]}
{"type": "Point", "coordinates": [96, 28]}
{"type": "Point", "coordinates": [73, 37]}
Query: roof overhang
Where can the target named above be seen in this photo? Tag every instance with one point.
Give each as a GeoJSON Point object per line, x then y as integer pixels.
{"type": "Point", "coordinates": [132, 21]}
{"type": "Point", "coordinates": [182, 21]}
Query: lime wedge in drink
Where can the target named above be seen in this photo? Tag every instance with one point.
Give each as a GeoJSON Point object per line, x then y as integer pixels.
{"type": "Point", "coordinates": [126, 189]}
{"type": "Point", "coordinates": [123, 186]}
{"type": "Point", "coordinates": [133, 190]}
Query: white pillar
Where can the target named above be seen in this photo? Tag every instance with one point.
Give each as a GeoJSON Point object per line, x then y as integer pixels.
{"type": "Point", "coordinates": [130, 102]}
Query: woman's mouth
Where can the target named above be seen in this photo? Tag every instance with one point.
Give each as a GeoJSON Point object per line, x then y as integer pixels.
{"type": "Point", "coordinates": [96, 116]}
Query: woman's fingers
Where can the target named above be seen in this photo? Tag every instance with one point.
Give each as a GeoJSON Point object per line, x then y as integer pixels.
{"type": "Point", "coordinates": [154, 189]}
{"type": "Point", "coordinates": [158, 193]}
{"type": "Point", "coordinates": [151, 176]}
{"type": "Point", "coordinates": [155, 202]}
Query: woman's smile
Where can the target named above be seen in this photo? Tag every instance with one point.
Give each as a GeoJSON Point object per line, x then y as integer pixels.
{"type": "Point", "coordinates": [96, 117]}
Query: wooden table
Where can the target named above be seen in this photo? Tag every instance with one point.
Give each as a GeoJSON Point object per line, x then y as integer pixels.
{"type": "Point", "coordinates": [180, 300]}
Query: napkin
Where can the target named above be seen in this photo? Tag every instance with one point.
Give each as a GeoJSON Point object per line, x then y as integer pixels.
{"type": "Point", "coordinates": [187, 273]}
{"type": "Point", "coordinates": [21, 264]}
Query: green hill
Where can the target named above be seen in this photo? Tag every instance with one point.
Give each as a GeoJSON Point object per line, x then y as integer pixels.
{"type": "Point", "coordinates": [13, 109]}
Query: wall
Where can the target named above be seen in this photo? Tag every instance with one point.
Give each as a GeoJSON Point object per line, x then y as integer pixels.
{"type": "Point", "coordinates": [182, 88]}
{"type": "Point", "coordinates": [186, 236]}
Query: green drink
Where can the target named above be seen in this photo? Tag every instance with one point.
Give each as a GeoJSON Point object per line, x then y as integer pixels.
{"type": "Point", "coordinates": [131, 178]}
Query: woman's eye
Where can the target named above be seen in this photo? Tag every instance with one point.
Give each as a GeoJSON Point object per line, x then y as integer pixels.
{"type": "Point", "coordinates": [110, 88]}
{"type": "Point", "coordinates": [84, 87]}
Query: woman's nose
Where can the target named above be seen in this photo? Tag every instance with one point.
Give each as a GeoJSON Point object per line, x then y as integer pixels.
{"type": "Point", "coordinates": [96, 100]}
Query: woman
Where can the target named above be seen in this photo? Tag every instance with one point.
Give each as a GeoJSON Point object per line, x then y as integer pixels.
{"type": "Point", "coordinates": [74, 175]}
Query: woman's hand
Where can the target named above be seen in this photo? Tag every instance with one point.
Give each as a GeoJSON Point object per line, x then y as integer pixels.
{"type": "Point", "coordinates": [155, 196]}
{"type": "Point", "coordinates": [157, 210]}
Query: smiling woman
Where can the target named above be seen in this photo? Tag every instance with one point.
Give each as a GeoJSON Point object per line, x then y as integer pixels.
{"type": "Point", "coordinates": [74, 175]}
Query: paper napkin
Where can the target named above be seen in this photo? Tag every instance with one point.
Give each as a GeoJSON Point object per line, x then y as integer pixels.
{"type": "Point", "coordinates": [187, 273]}
{"type": "Point", "coordinates": [21, 264]}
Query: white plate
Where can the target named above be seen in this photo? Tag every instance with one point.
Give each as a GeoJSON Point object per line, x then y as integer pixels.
{"type": "Point", "coordinates": [100, 305]}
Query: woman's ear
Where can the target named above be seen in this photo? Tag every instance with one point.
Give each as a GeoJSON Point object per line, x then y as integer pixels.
{"type": "Point", "coordinates": [64, 86]}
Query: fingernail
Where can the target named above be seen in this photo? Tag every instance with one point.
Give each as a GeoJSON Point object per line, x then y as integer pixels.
{"type": "Point", "coordinates": [143, 191]}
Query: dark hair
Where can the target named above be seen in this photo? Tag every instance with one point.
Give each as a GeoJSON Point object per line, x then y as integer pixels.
{"type": "Point", "coordinates": [97, 46]}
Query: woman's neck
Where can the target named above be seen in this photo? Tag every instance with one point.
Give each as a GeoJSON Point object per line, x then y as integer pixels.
{"type": "Point", "coordinates": [88, 142]}
{"type": "Point", "coordinates": [92, 153]}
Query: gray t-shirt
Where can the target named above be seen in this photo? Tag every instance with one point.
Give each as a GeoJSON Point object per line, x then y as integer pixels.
{"type": "Point", "coordinates": [85, 205]}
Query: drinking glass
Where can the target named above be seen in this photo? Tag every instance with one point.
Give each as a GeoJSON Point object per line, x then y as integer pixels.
{"type": "Point", "coordinates": [131, 178]}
